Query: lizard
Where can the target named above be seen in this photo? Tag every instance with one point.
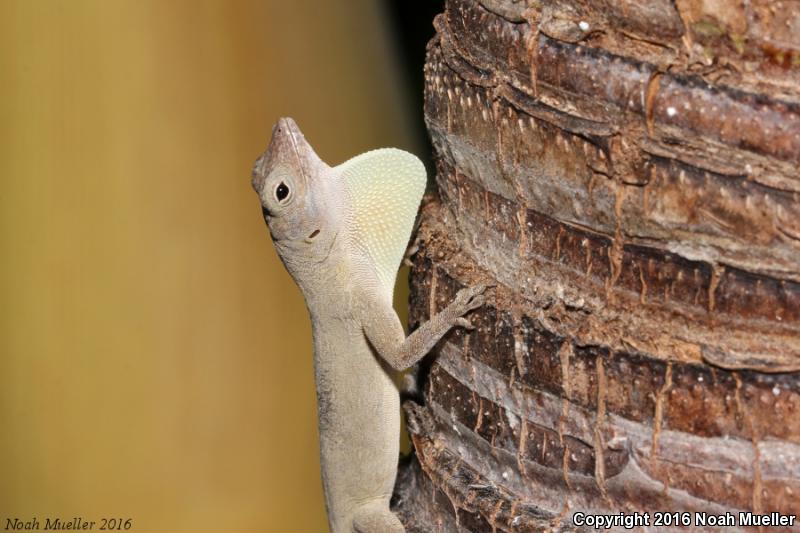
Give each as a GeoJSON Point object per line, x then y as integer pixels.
{"type": "Point", "coordinates": [341, 232]}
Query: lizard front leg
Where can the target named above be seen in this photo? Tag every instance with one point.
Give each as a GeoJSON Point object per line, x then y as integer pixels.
{"type": "Point", "coordinates": [385, 333]}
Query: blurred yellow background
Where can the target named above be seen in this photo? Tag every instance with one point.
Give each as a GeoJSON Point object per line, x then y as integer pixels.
{"type": "Point", "coordinates": [155, 358]}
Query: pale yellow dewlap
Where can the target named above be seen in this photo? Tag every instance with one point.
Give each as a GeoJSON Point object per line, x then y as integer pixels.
{"type": "Point", "coordinates": [385, 188]}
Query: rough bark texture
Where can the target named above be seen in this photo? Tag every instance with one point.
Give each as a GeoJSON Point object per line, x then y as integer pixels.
{"type": "Point", "coordinates": [625, 173]}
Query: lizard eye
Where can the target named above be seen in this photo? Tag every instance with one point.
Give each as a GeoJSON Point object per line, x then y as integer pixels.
{"type": "Point", "coordinates": [281, 192]}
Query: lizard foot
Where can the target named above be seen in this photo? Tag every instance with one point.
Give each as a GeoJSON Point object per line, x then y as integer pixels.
{"type": "Point", "coordinates": [465, 301]}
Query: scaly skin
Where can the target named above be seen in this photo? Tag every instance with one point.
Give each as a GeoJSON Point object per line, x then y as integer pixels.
{"type": "Point", "coordinates": [341, 233]}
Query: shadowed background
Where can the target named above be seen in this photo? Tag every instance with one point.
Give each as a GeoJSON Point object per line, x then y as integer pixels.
{"type": "Point", "coordinates": [155, 358]}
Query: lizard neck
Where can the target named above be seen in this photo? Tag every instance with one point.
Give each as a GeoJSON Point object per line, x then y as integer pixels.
{"type": "Point", "coordinates": [325, 284]}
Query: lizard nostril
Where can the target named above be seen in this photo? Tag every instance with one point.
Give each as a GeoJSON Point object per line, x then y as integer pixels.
{"type": "Point", "coordinates": [314, 234]}
{"type": "Point", "coordinates": [265, 211]}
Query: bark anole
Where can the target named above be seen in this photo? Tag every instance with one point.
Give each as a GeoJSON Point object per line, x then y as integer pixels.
{"type": "Point", "coordinates": [341, 233]}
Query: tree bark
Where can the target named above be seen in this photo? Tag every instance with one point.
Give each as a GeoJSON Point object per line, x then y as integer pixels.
{"type": "Point", "coordinates": [625, 174]}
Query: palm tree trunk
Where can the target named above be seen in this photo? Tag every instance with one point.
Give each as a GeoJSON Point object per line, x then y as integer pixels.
{"type": "Point", "coordinates": [625, 173]}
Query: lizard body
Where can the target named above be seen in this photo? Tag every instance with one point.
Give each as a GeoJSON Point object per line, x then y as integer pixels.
{"type": "Point", "coordinates": [341, 233]}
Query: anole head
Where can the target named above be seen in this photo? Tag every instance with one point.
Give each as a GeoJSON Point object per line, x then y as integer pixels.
{"type": "Point", "coordinates": [358, 214]}
{"type": "Point", "coordinates": [294, 185]}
